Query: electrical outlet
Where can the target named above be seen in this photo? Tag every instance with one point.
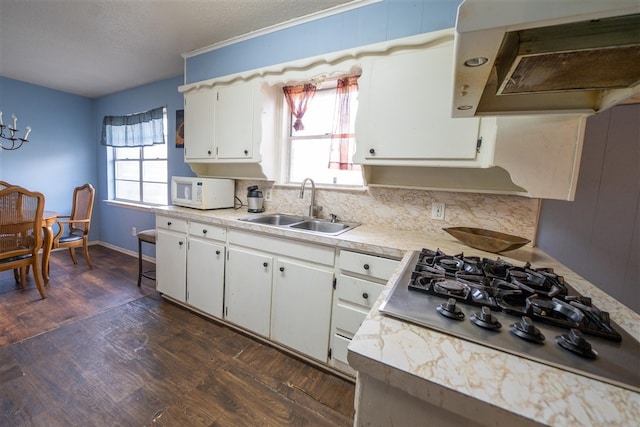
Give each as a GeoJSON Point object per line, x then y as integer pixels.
{"type": "Point", "coordinates": [268, 195]}
{"type": "Point", "coordinates": [437, 211]}
{"type": "Point", "coordinates": [133, 231]}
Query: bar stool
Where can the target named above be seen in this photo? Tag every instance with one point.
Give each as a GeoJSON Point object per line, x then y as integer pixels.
{"type": "Point", "coordinates": [148, 236]}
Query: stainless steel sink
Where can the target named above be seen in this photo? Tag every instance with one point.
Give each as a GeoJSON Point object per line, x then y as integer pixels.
{"type": "Point", "coordinates": [302, 223]}
{"type": "Point", "coordinates": [274, 219]}
{"type": "Point", "coordinates": [321, 226]}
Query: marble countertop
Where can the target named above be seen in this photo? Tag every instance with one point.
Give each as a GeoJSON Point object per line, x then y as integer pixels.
{"type": "Point", "coordinates": [447, 371]}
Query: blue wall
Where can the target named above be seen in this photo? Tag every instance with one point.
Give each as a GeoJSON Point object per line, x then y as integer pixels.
{"type": "Point", "coordinates": [64, 149]}
{"type": "Point", "coordinates": [61, 152]}
{"type": "Point", "coordinates": [386, 20]}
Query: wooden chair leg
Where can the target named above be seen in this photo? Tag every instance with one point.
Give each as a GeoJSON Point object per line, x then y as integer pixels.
{"type": "Point", "coordinates": [23, 277]}
{"type": "Point", "coordinates": [72, 252]}
{"type": "Point", "coordinates": [38, 277]}
{"type": "Point", "coordinates": [85, 249]}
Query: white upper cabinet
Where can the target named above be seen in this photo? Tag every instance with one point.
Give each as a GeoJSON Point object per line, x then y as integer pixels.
{"type": "Point", "coordinates": [236, 122]}
{"type": "Point", "coordinates": [220, 123]}
{"type": "Point", "coordinates": [232, 127]}
{"type": "Point", "coordinates": [199, 108]}
{"type": "Point", "coordinates": [403, 109]}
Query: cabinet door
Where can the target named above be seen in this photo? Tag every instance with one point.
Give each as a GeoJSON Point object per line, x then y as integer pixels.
{"type": "Point", "coordinates": [205, 276]}
{"type": "Point", "coordinates": [404, 109]}
{"type": "Point", "coordinates": [171, 264]}
{"type": "Point", "coordinates": [248, 290]}
{"type": "Point", "coordinates": [301, 308]}
{"type": "Point", "coordinates": [234, 121]}
{"type": "Point", "coordinates": [199, 108]}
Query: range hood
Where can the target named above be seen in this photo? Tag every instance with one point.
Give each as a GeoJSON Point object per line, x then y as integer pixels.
{"type": "Point", "coordinates": [550, 56]}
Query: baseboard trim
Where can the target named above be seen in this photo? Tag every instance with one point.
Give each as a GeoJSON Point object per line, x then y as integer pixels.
{"type": "Point", "coordinates": [123, 250]}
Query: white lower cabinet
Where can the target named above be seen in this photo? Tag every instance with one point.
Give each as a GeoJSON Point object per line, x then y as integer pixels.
{"type": "Point", "coordinates": [248, 290]}
{"type": "Point", "coordinates": [301, 308]}
{"type": "Point", "coordinates": [171, 256]}
{"type": "Point", "coordinates": [190, 263]}
{"type": "Point", "coordinates": [276, 293]}
{"type": "Point", "coordinates": [361, 279]}
{"type": "Point", "coordinates": [205, 268]}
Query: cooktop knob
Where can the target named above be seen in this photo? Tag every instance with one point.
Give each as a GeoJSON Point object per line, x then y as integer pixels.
{"type": "Point", "coordinates": [574, 341]}
{"type": "Point", "coordinates": [485, 319]}
{"type": "Point", "coordinates": [527, 330]}
{"type": "Point", "coordinates": [450, 310]}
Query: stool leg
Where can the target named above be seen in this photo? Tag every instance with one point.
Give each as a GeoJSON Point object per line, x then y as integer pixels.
{"type": "Point", "coordinates": [139, 262]}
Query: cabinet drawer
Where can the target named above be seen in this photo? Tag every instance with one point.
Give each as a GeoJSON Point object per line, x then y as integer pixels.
{"type": "Point", "coordinates": [347, 320]}
{"type": "Point", "coordinates": [167, 223]}
{"type": "Point", "coordinates": [367, 265]}
{"type": "Point", "coordinates": [356, 291]}
{"type": "Point", "coordinates": [309, 252]}
{"type": "Point", "coordinates": [339, 348]}
{"type": "Point", "coordinates": [207, 231]}
{"type": "Point", "coordinates": [353, 300]}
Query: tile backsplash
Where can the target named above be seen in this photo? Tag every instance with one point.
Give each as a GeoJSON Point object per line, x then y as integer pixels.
{"type": "Point", "coordinates": [406, 209]}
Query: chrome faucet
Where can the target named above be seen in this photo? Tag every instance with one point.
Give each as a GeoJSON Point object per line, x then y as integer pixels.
{"type": "Point", "coordinates": [312, 207]}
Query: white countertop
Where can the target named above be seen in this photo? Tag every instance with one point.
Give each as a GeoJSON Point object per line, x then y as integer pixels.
{"type": "Point", "coordinates": [447, 371]}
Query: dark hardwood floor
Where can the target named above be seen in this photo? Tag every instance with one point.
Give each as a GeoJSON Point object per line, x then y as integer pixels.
{"type": "Point", "coordinates": [101, 351]}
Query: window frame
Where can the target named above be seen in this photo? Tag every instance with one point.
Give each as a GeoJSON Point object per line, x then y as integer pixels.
{"type": "Point", "coordinates": [141, 161]}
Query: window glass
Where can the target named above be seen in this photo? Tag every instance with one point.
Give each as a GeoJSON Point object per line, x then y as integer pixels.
{"type": "Point", "coordinates": [154, 193]}
{"type": "Point", "coordinates": [128, 190]}
{"type": "Point", "coordinates": [127, 153]}
{"type": "Point", "coordinates": [318, 119]}
{"type": "Point", "coordinates": [154, 171]}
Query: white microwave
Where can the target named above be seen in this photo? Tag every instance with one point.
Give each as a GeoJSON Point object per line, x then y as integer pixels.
{"type": "Point", "coordinates": [202, 193]}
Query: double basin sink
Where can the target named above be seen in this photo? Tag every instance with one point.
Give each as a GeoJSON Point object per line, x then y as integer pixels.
{"type": "Point", "coordinates": [302, 223]}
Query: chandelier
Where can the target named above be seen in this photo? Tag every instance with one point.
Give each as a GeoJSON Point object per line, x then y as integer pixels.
{"type": "Point", "coordinates": [14, 142]}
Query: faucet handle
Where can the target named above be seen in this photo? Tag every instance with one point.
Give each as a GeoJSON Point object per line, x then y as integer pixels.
{"type": "Point", "coordinates": [334, 217]}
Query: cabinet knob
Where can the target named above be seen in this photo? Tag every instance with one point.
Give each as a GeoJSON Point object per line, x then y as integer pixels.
{"type": "Point", "coordinates": [281, 268]}
{"type": "Point", "coordinates": [209, 152]}
{"type": "Point", "coordinates": [217, 252]}
{"type": "Point", "coordinates": [180, 243]}
{"type": "Point", "coordinates": [246, 152]}
{"type": "Point", "coordinates": [204, 231]}
{"type": "Point", "coordinates": [265, 264]}
{"type": "Point", "coordinates": [372, 151]}
{"type": "Point", "coordinates": [366, 266]}
{"type": "Point", "coordinates": [365, 295]}
{"type": "Point", "coordinates": [168, 223]}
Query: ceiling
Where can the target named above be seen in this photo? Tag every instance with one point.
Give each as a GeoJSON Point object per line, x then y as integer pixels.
{"type": "Point", "coordinates": [98, 47]}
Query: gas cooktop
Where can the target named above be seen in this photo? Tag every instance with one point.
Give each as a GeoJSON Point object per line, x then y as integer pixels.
{"type": "Point", "coordinates": [526, 311]}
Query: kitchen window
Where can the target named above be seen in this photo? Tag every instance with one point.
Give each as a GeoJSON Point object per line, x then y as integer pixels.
{"type": "Point", "coordinates": [140, 173]}
{"type": "Point", "coordinates": [314, 148]}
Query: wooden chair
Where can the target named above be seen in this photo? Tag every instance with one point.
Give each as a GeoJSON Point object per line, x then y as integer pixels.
{"type": "Point", "coordinates": [21, 232]}
{"type": "Point", "coordinates": [76, 232]}
{"type": "Point", "coordinates": [16, 272]}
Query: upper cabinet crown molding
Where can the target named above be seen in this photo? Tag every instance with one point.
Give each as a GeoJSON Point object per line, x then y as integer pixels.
{"type": "Point", "coordinates": [326, 66]}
